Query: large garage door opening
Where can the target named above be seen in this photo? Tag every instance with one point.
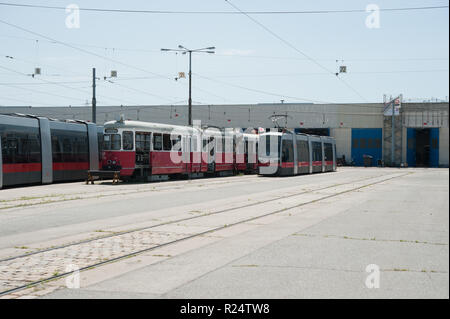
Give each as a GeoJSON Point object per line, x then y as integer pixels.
{"type": "Point", "coordinates": [423, 147]}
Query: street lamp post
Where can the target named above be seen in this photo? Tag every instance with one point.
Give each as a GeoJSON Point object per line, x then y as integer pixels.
{"type": "Point", "coordinates": [184, 51]}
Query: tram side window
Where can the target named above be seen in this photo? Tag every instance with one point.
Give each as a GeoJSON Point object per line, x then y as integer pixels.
{"type": "Point", "coordinates": [111, 142]}
{"type": "Point", "coordinates": [167, 144]}
{"type": "Point", "coordinates": [115, 142]}
{"type": "Point", "coordinates": [34, 148]}
{"type": "Point", "coordinates": [157, 142]}
{"type": "Point", "coordinates": [287, 151]}
{"type": "Point", "coordinates": [127, 137]}
{"type": "Point", "coordinates": [20, 144]}
{"type": "Point", "coordinates": [69, 146]}
{"type": "Point", "coordinates": [267, 145]}
{"type": "Point", "coordinates": [273, 145]}
{"type": "Point", "coordinates": [143, 141]}
{"type": "Point", "coordinates": [83, 148]}
{"type": "Point", "coordinates": [317, 151]}
{"type": "Point", "coordinates": [100, 143]}
{"type": "Point", "coordinates": [328, 152]}
{"type": "Point", "coordinates": [302, 151]}
{"type": "Point", "coordinates": [106, 142]}
{"type": "Point", "coordinates": [56, 149]}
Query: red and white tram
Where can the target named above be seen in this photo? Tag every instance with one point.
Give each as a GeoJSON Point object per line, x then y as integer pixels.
{"type": "Point", "coordinates": [156, 151]}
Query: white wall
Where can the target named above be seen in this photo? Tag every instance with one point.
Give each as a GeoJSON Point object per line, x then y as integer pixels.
{"type": "Point", "coordinates": [251, 115]}
{"type": "Point", "coordinates": [443, 146]}
{"type": "Point", "coordinates": [343, 138]}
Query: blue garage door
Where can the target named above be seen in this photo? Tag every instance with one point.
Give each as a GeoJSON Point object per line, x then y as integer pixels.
{"type": "Point", "coordinates": [411, 147]}
{"type": "Point", "coordinates": [366, 141]}
{"type": "Point", "coordinates": [434, 149]}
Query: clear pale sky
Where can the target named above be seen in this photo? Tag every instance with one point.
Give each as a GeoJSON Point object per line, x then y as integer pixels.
{"type": "Point", "coordinates": [408, 54]}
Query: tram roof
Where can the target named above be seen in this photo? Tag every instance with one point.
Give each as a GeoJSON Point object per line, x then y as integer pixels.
{"type": "Point", "coordinates": [147, 126]}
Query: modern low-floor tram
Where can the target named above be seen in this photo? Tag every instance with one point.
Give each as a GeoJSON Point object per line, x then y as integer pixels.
{"type": "Point", "coordinates": [286, 153]}
{"type": "Point", "coordinates": [37, 150]}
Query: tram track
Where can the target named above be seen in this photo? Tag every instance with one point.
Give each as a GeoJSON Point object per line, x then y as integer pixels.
{"type": "Point", "coordinates": [183, 219]}
{"type": "Point", "coordinates": [31, 201]}
{"type": "Point", "coordinates": [183, 237]}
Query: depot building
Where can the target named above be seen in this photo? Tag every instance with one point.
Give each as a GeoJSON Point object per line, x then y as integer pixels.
{"type": "Point", "coordinates": [417, 137]}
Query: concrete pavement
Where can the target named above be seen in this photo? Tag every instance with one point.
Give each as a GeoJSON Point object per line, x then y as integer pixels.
{"type": "Point", "coordinates": [319, 250]}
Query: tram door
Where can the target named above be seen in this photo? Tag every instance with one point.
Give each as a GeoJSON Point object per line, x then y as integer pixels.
{"type": "Point", "coordinates": [211, 150]}
{"type": "Point", "coordinates": [296, 159]}
{"type": "Point", "coordinates": [143, 142]}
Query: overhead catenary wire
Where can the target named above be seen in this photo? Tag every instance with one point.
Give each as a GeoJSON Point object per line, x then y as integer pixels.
{"type": "Point", "coordinates": [322, 73]}
{"type": "Point", "coordinates": [35, 6]}
{"type": "Point", "coordinates": [295, 49]}
{"type": "Point", "coordinates": [225, 99]}
{"type": "Point", "coordinates": [256, 90]}
{"type": "Point", "coordinates": [42, 92]}
{"type": "Point", "coordinates": [21, 101]}
{"type": "Point", "coordinates": [237, 55]}
{"type": "Point", "coordinates": [296, 98]}
{"type": "Point", "coordinates": [87, 81]}
{"type": "Point", "coordinates": [48, 82]}
{"type": "Point", "coordinates": [93, 53]}
{"type": "Point", "coordinates": [80, 49]}
{"type": "Point", "coordinates": [140, 91]}
{"type": "Point", "coordinates": [54, 83]}
{"type": "Point", "coordinates": [158, 76]}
